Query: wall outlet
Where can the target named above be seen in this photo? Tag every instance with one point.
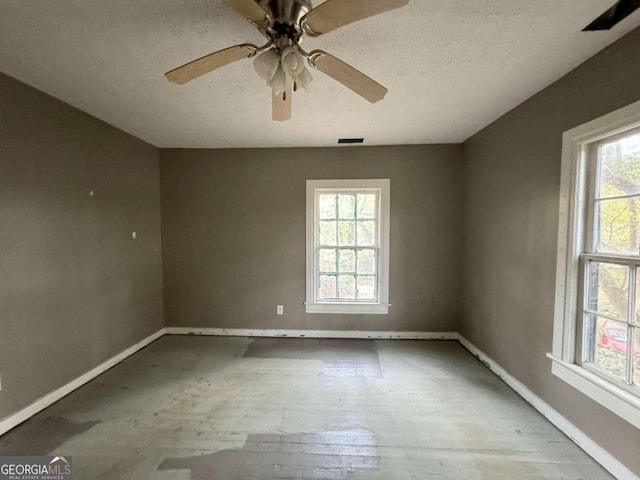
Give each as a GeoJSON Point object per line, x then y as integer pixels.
{"type": "Point", "coordinates": [279, 309]}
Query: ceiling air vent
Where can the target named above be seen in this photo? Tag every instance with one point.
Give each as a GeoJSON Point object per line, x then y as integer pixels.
{"type": "Point", "coordinates": [350, 140]}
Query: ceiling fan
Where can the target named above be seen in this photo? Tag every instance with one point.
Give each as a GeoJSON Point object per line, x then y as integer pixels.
{"type": "Point", "coordinates": [281, 61]}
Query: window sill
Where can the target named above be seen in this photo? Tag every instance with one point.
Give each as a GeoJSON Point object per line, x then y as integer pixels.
{"type": "Point", "coordinates": [622, 403]}
{"type": "Point", "coordinates": [348, 308]}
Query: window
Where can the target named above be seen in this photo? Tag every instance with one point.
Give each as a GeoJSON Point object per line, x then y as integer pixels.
{"type": "Point", "coordinates": [347, 246]}
{"type": "Point", "coordinates": [610, 261]}
{"type": "Point", "coordinates": [596, 344]}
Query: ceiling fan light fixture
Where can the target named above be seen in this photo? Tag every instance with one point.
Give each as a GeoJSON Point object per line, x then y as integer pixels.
{"type": "Point", "coordinates": [266, 64]}
{"type": "Point", "coordinates": [304, 79]}
{"type": "Point", "coordinates": [275, 67]}
{"type": "Point", "coordinates": [292, 61]}
{"type": "Point", "coordinates": [277, 83]}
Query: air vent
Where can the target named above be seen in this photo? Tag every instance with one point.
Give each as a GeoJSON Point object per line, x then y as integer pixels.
{"type": "Point", "coordinates": [350, 140]}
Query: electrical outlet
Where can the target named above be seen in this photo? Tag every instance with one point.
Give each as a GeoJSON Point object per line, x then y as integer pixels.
{"type": "Point", "coordinates": [279, 309]}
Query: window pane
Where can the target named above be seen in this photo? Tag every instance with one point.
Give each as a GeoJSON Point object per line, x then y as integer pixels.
{"type": "Point", "coordinates": [327, 290]}
{"type": "Point", "coordinates": [620, 167]}
{"type": "Point", "coordinates": [366, 205]}
{"type": "Point", "coordinates": [636, 357]}
{"type": "Point", "coordinates": [366, 288]}
{"type": "Point", "coordinates": [346, 233]}
{"type": "Point", "coordinates": [328, 233]}
{"type": "Point", "coordinates": [618, 226]}
{"type": "Point", "coordinates": [347, 206]}
{"type": "Point", "coordinates": [608, 289]}
{"type": "Point", "coordinates": [636, 319]}
{"type": "Point", "coordinates": [327, 204]}
{"type": "Point", "coordinates": [366, 233]}
{"type": "Point", "coordinates": [347, 262]}
{"type": "Point", "coordinates": [327, 260]}
{"type": "Point", "coordinates": [347, 290]}
{"type": "Point", "coordinates": [366, 261]}
{"type": "Point", "coordinates": [607, 345]}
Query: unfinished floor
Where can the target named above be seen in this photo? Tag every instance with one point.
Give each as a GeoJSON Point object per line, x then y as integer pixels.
{"type": "Point", "coordinates": [237, 408]}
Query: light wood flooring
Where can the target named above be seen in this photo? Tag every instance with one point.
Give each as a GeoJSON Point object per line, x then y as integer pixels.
{"type": "Point", "coordinates": [189, 407]}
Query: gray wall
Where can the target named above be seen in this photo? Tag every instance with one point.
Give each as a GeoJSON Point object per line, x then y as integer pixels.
{"type": "Point", "coordinates": [75, 288]}
{"type": "Point", "coordinates": [234, 235]}
{"type": "Point", "coordinates": [512, 176]}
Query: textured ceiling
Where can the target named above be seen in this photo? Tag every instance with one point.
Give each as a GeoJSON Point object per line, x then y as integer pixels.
{"type": "Point", "coordinates": [451, 66]}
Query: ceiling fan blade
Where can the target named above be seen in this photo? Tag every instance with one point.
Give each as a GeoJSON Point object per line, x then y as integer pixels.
{"type": "Point", "coordinates": [334, 14]}
{"type": "Point", "coordinates": [282, 102]}
{"type": "Point", "coordinates": [250, 10]}
{"type": "Point", "coordinates": [209, 63]}
{"type": "Point", "coordinates": [621, 10]}
{"type": "Point", "coordinates": [347, 75]}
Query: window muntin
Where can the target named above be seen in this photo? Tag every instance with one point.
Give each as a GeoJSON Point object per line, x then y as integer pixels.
{"type": "Point", "coordinates": [348, 246]}
{"type": "Point", "coordinates": [346, 250]}
{"type": "Point", "coordinates": [610, 261]}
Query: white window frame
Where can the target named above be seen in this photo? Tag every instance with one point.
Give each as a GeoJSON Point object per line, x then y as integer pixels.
{"type": "Point", "coordinates": [571, 226]}
{"type": "Point", "coordinates": [381, 307]}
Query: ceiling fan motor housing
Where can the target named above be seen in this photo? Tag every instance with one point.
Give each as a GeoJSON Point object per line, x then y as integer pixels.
{"type": "Point", "coordinates": [284, 16]}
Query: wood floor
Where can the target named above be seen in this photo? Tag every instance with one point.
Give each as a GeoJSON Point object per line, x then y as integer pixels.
{"type": "Point", "coordinates": [235, 408]}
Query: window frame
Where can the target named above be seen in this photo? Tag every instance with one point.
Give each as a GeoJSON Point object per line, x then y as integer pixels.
{"type": "Point", "coordinates": [591, 254]}
{"type": "Point", "coordinates": [573, 228]}
{"type": "Point", "coordinates": [379, 307]}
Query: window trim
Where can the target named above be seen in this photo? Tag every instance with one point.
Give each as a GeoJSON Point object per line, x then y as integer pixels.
{"type": "Point", "coordinates": [381, 307]}
{"type": "Point", "coordinates": [572, 216]}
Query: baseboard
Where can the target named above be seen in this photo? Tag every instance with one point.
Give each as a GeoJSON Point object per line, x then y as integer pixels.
{"type": "Point", "coordinates": [242, 332]}
{"type": "Point", "coordinates": [43, 402]}
{"type": "Point", "coordinates": [594, 450]}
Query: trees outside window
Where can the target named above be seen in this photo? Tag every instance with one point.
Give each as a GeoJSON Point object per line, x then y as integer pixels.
{"type": "Point", "coordinates": [348, 246]}
{"type": "Point", "coordinates": [611, 312]}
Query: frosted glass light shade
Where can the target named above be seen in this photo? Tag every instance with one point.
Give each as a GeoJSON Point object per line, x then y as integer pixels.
{"type": "Point", "coordinates": [292, 61]}
{"type": "Point", "coordinates": [277, 83]}
{"type": "Point", "coordinates": [304, 79]}
{"type": "Point", "coordinates": [266, 64]}
{"type": "Point", "coordinates": [275, 68]}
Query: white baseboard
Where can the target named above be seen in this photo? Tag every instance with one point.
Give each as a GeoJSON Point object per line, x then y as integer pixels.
{"type": "Point", "coordinates": [242, 332]}
{"type": "Point", "coordinates": [594, 450]}
{"type": "Point", "coordinates": [43, 402]}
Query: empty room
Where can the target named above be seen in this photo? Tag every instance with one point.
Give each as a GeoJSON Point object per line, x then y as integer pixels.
{"type": "Point", "coordinates": [320, 239]}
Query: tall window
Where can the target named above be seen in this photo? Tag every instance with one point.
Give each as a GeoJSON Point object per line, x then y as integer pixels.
{"type": "Point", "coordinates": [596, 334]}
{"type": "Point", "coordinates": [611, 261]}
{"type": "Point", "coordinates": [347, 246]}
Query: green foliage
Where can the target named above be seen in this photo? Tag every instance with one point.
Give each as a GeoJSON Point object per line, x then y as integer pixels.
{"type": "Point", "coordinates": [617, 222]}
{"type": "Point", "coordinates": [619, 174]}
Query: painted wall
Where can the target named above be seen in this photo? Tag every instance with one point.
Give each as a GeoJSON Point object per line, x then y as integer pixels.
{"type": "Point", "coordinates": [512, 177]}
{"type": "Point", "coordinates": [75, 287]}
{"type": "Point", "coordinates": [234, 235]}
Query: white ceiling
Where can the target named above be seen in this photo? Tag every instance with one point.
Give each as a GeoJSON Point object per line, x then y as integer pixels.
{"type": "Point", "coordinates": [451, 66]}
